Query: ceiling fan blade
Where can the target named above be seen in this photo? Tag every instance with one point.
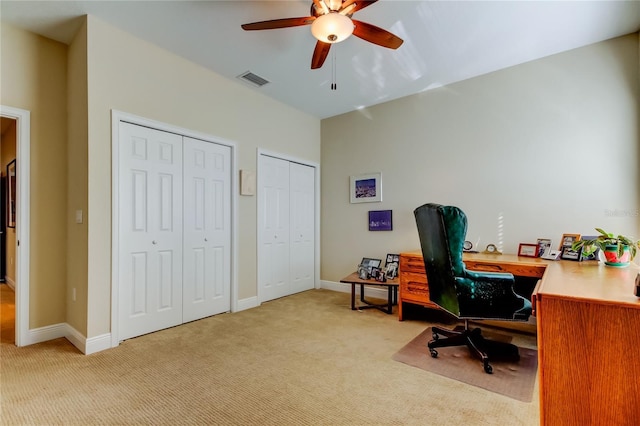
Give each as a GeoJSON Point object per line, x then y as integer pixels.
{"type": "Point", "coordinates": [320, 54]}
{"type": "Point", "coordinates": [359, 4]}
{"type": "Point", "coordinates": [279, 23]}
{"type": "Point", "coordinates": [376, 35]}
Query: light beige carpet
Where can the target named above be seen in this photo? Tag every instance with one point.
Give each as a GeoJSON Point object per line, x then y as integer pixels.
{"type": "Point", "coordinates": [307, 359]}
{"type": "Point", "coordinates": [513, 379]}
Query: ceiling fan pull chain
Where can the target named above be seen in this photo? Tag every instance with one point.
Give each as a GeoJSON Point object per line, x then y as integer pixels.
{"type": "Point", "coordinates": [334, 86]}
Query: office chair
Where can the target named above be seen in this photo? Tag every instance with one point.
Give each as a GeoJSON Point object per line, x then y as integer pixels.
{"type": "Point", "coordinates": [463, 293]}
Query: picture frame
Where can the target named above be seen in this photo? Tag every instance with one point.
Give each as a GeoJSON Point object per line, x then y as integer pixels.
{"type": "Point", "coordinates": [544, 245]}
{"type": "Point", "coordinates": [369, 263]}
{"type": "Point", "coordinates": [568, 254]}
{"type": "Point", "coordinates": [365, 188]}
{"type": "Point", "coordinates": [596, 254]}
{"type": "Point", "coordinates": [567, 240]}
{"type": "Point", "coordinates": [392, 266]}
{"type": "Point", "coordinates": [11, 194]}
{"type": "Point", "coordinates": [528, 250]}
{"type": "Point", "coordinates": [380, 220]}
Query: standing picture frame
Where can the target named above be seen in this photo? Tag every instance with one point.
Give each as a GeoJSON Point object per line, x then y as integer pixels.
{"type": "Point", "coordinates": [365, 188]}
{"type": "Point", "coordinates": [528, 250]}
{"type": "Point", "coordinates": [567, 240]}
{"type": "Point", "coordinates": [11, 194]}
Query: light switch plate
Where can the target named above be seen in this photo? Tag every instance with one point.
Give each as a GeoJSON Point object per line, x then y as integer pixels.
{"type": "Point", "coordinates": [78, 216]}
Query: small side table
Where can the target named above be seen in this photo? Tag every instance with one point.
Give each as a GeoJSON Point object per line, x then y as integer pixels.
{"type": "Point", "coordinates": [392, 293]}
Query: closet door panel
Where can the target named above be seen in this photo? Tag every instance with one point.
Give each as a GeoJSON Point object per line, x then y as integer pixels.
{"type": "Point", "coordinates": [302, 227]}
{"type": "Point", "coordinates": [150, 234]}
{"type": "Point", "coordinates": [273, 224]}
{"type": "Point", "coordinates": [207, 229]}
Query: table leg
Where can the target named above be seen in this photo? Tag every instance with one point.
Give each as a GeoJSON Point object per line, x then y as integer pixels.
{"type": "Point", "coordinates": [362, 293]}
{"type": "Point", "coordinates": [389, 299]}
{"type": "Point", "coordinates": [353, 296]}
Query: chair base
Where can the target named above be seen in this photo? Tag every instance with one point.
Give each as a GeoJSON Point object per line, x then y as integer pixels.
{"type": "Point", "coordinates": [480, 347]}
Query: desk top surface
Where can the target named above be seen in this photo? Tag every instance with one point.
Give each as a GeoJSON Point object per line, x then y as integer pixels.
{"type": "Point", "coordinates": [589, 280]}
{"type": "Point", "coordinates": [355, 279]}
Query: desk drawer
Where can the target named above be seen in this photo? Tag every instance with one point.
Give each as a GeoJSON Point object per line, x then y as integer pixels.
{"type": "Point", "coordinates": [518, 270]}
{"type": "Point", "coordinates": [414, 287]}
{"type": "Point", "coordinates": [412, 264]}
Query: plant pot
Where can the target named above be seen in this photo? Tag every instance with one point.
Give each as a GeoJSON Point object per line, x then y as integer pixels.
{"type": "Point", "coordinates": [612, 259]}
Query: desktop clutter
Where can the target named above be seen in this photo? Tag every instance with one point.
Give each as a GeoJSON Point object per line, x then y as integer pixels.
{"type": "Point", "coordinates": [369, 269]}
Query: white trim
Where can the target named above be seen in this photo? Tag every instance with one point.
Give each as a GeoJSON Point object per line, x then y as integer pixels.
{"type": "Point", "coordinates": [46, 333]}
{"type": "Point", "coordinates": [373, 292]}
{"type": "Point", "coordinates": [316, 167]}
{"type": "Point", "coordinates": [23, 224]}
{"type": "Point", "coordinates": [116, 118]}
{"type": "Point", "coordinates": [11, 283]}
{"type": "Point", "coordinates": [248, 303]}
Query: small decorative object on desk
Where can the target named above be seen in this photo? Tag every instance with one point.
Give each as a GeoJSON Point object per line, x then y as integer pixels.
{"type": "Point", "coordinates": [569, 253]}
{"type": "Point", "coordinates": [528, 250]}
{"type": "Point", "coordinates": [568, 239]}
{"type": "Point", "coordinates": [619, 250]}
{"type": "Point", "coordinates": [544, 245]}
{"type": "Point", "coordinates": [492, 249]}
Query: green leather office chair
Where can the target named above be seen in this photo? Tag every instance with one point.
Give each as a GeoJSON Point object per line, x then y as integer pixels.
{"type": "Point", "coordinates": [467, 295]}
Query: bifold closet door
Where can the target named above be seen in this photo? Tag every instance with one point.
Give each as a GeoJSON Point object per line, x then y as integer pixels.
{"type": "Point", "coordinates": [286, 222]}
{"type": "Point", "coordinates": [207, 229]}
{"type": "Point", "coordinates": [273, 223]}
{"type": "Point", "coordinates": [150, 234]}
{"type": "Point", "coordinates": [302, 229]}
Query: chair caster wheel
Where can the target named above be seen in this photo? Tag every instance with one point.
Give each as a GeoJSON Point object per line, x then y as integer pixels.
{"type": "Point", "coordinates": [488, 369]}
{"type": "Point", "coordinates": [434, 353]}
{"type": "Point", "coordinates": [435, 336]}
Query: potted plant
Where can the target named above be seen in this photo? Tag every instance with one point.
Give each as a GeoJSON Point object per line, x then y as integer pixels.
{"type": "Point", "coordinates": [618, 250]}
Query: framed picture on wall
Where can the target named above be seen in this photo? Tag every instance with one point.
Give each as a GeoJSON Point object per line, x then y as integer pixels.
{"type": "Point", "coordinates": [380, 220]}
{"type": "Point", "coordinates": [11, 194]}
{"type": "Point", "coordinates": [366, 188]}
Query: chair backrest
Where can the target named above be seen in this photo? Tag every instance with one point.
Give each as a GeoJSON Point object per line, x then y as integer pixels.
{"type": "Point", "coordinates": [442, 230]}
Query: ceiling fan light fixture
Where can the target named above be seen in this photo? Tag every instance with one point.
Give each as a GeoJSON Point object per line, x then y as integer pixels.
{"type": "Point", "coordinates": [332, 27]}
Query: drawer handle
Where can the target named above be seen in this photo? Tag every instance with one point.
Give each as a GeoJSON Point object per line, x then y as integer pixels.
{"type": "Point", "coordinates": [486, 267]}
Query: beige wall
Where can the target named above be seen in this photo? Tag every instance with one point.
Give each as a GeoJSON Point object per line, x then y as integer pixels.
{"type": "Point", "coordinates": [506, 147]}
{"type": "Point", "coordinates": [77, 175]}
{"type": "Point", "coordinates": [130, 75]}
{"type": "Point", "coordinates": [34, 78]}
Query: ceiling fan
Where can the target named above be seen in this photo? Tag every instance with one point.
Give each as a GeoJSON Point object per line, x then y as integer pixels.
{"type": "Point", "coordinates": [331, 23]}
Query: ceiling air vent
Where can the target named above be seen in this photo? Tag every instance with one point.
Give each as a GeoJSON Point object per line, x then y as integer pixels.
{"type": "Point", "coordinates": [250, 77]}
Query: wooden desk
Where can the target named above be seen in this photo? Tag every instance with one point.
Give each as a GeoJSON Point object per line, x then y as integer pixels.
{"type": "Point", "coordinates": [392, 293]}
{"type": "Point", "coordinates": [588, 331]}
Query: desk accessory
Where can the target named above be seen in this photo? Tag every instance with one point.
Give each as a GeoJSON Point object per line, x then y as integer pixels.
{"type": "Point", "coordinates": [492, 249]}
{"type": "Point", "coordinates": [551, 254]}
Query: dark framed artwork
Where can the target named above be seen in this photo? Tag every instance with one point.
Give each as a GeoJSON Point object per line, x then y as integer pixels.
{"type": "Point", "coordinates": [11, 194]}
{"type": "Point", "coordinates": [380, 220]}
{"type": "Point", "coordinates": [569, 254]}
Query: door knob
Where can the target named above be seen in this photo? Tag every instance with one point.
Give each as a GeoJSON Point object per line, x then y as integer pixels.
{"type": "Point", "coordinates": [206, 239]}
{"type": "Point", "coordinates": [154, 242]}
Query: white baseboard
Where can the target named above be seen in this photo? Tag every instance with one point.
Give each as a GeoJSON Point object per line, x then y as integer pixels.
{"type": "Point", "coordinates": [10, 282]}
{"type": "Point", "coordinates": [376, 293]}
{"type": "Point", "coordinates": [43, 334]}
{"type": "Point", "coordinates": [248, 303]}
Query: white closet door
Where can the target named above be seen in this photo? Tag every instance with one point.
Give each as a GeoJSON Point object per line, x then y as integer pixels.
{"type": "Point", "coordinates": [273, 224]}
{"type": "Point", "coordinates": [207, 229]}
{"type": "Point", "coordinates": [302, 208]}
{"type": "Point", "coordinates": [150, 234]}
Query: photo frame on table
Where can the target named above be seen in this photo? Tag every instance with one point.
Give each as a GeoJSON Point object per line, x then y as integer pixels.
{"type": "Point", "coordinates": [568, 254]}
{"type": "Point", "coordinates": [391, 266]}
{"type": "Point", "coordinates": [567, 240]}
{"type": "Point", "coordinates": [544, 245]}
{"type": "Point", "coordinates": [366, 188]}
{"type": "Point", "coordinates": [380, 220]}
{"type": "Point", "coordinates": [11, 194]}
{"type": "Point", "coordinates": [528, 250]}
{"type": "Point", "coordinates": [369, 263]}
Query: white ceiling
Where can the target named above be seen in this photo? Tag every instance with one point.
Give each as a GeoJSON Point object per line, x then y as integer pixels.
{"type": "Point", "coordinates": [444, 41]}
